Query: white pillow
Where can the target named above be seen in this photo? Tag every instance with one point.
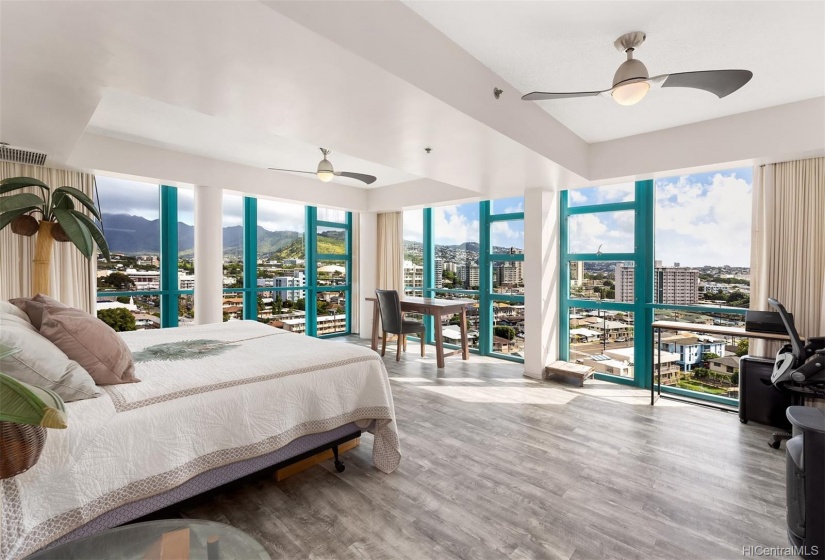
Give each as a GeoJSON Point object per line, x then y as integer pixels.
{"type": "Point", "coordinates": [40, 363]}
{"type": "Point", "coordinates": [11, 309]}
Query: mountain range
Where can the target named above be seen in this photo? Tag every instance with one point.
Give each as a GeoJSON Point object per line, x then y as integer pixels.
{"type": "Point", "coordinates": [134, 235]}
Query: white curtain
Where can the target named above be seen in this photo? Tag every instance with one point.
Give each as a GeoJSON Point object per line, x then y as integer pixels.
{"type": "Point", "coordinates": [390, 256]}
{"type": "Point", "coordinates": [355, 280]}
{"type": "Point", "coordinates": [788, 244]}
{"type": "Point", "coordinates": [72, 275]}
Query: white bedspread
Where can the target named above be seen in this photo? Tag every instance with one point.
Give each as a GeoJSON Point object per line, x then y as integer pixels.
{"type": "Point", "coordinates": [234, 391]}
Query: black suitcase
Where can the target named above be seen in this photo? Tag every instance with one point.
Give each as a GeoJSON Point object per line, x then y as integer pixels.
{"type": "Point", "coordinates": [759, 401]}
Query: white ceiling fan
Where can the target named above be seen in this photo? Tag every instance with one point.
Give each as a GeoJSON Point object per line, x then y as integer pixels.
{"type": "Point", "coordinates": [326, 172]}
{"type": "Point", "coordinates": [632, 81]}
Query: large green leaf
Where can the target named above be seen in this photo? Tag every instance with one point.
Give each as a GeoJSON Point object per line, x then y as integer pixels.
{"type": "Point", "coordinates": [82, 198]}
{"type": "Point", "coordinates": [76, 231]}
{"type": "Point", "coordinates": [21, 200]}
{"type": "Point", "coordinates": [7, 217]}
{"type": "Point", "coordinates": [97, 235]}
{"type": "Point", "coordinates": [62, 200]}
{"type": "Point", "coordinates": [14, 183]}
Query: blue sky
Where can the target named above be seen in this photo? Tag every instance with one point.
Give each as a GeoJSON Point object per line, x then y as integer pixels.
{"type": "Point", "coordinates": [701, 219]}
{"type": "Point", "coordinates": [458, 224]}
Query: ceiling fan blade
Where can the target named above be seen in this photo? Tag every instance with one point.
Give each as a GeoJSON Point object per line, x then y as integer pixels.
{"type": "Point", "coordinates": [721, 83]}
{"type": "Point", "coordinates": [291, 170]}
{"type": "Point", "coordinates": [368, 179]}
{"type": "Point", "coordinates": [540, 95]}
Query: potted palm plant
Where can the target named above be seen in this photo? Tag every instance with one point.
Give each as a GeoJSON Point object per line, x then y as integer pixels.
{"type": "Point", "coordinates": [52, 216]}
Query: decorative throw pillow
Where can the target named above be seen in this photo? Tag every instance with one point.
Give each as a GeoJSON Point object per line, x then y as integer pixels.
{"type": "Point", "coordinates": [34, 307]}
{"type": "Point", "coordinates": [10, 309]}
{"type": "Point", "coordinates": [92, 343]}
{"type": "Point", "coordinates": [26, 404]}
{"type": "Point", "coordinates": [29, 357]}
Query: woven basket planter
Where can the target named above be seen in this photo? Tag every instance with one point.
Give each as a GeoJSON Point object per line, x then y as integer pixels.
{"type": "Point", "coordinates": [20, 447]}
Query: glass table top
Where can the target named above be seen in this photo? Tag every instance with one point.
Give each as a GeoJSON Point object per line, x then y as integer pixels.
{"type": "Point", "coordinates": [169, 539]}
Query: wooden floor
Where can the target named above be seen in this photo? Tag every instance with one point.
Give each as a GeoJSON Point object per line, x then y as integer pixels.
{"type": "Point", "coordinates": [499, 466]}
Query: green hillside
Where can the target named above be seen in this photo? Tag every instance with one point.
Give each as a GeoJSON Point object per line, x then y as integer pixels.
{"type": "Point", "coordinates": [327, 245]}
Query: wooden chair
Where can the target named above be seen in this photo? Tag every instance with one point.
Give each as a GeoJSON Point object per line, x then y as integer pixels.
{"type": "Point", "coordinates": [393, 322]}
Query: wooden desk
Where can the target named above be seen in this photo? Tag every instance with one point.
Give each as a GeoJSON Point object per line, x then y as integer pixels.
{"type": "Point", "coordinates": [437, 308]}
{"type": "Point", "coordinates": [659, 326]}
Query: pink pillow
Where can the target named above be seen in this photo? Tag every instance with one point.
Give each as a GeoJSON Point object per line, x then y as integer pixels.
{"type": "Point", "coordinates": [34, 307]}
{"type": "Point", "coordinates": [91, 343]}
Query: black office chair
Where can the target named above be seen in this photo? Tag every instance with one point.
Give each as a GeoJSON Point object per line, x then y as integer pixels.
{"type": "Point", "coordinates": [393, 322]}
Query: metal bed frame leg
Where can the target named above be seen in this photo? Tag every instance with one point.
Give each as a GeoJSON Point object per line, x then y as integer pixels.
{"type": "Point", "coordinates": [339, 466]}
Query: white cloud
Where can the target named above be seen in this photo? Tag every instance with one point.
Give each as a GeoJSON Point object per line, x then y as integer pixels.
{"type": "Point", "coordinates": [575, 197]}
{"type": "Point", "coordinates": [453, 228]}
{"type": "Point", "coordinates": [612, 232]}
{"type": "Point", "coordinates": [706, 224]}
{"type": "Point", "coordinates": [503, 234]}
{"type": "Point", "coordinates": [280, 216]}
{"type": "Point", "coordinates": [414, 225]}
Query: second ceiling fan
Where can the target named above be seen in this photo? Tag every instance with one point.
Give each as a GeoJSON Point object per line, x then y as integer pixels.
{"type": "Point", "coordinates": [632, 81]}
{"type": "Point", "coordinates": [326, 172]}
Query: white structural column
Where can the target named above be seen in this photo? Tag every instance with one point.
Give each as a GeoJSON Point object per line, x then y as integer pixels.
{"type": "Point", "coordinates": [208, 255]}
{"type": "Point", "coordinates": [367, 268]}
{"type": "Point", "coordinates": [541, 280]}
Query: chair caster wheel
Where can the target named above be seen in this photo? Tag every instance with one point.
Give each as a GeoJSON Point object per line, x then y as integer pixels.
{"type": "Point", "coordinates": [339, 466]}
{"type": "Point", "coordinates": [743, 420]}
{"type": "Point", "coordinates": [775, 444]}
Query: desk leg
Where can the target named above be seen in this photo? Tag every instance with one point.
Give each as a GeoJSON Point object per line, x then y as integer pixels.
{"type": "Point", "coordinates": [465, 347]}
{"type": "Point", "coordinates": [439, 339]}
{"type": "Point", "coordinates": [659, 362]}
{"type": "Point", "coordinates": [374, 345]}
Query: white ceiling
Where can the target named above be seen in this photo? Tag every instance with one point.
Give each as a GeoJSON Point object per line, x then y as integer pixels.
{"type": "Point", "coordinates": [138, 119]}
{"type": "Point", "coordinates": [213, 92]}
{"type": "Point", "coordinates": [568, 46]}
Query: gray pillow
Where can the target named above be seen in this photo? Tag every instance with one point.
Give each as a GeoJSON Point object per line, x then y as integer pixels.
{"type": "Point", "coordinates": [34, 307]}
{"type": "Point", "coordinates": [32, 359]}
{"type": "Point", "coordinates": [92, 343]}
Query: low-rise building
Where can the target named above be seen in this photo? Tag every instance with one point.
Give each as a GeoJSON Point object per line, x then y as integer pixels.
{"type": "Point", "coordinates": [727, 365]}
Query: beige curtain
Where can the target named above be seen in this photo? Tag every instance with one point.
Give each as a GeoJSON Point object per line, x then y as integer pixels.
{"type": "Point", "coordinates": [390, 257]}
{"type": "Point", "coordinates": [355, 281]}
{"type": "Point", "coordinates": [788, 244]}
{"type": "Point", "coordinates": [72, 275]}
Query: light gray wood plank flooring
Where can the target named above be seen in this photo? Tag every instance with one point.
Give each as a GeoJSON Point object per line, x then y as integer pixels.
{"type": "Point", "coordinates": [499, 466]}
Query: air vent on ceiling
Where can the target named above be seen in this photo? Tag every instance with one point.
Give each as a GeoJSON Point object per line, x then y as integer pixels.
{"type": "Point", "coordinates": [19, 155]}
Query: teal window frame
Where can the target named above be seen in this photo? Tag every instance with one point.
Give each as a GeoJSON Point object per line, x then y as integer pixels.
{"type": "Point", "coordinates": [169, 292]}
{"type": "Point", "coordinates": [643, 307]}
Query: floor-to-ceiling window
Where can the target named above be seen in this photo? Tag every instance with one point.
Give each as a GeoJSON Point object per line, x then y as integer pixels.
{"type": "Point", "coordinates": [281, 264]}
{"type": "Point", "coordinates": [701, 274]}
{"type": "Point", "coordinates": [284, 264]}
{"type": "Point", "coordinates": [598, 240]}
{"type": "Point", "coordinates": [330, 271]}
{"type": "Point", "coordinates": [675, 249]}
{"type": "Point", "coordinates": [471, 251]}
{"type": "Point", "coordinates": [129, 286]}
{"type": "Point", "coordinates": [504, 220]}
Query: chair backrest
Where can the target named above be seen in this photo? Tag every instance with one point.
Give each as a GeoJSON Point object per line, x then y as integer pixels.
{"type": "Point", "coordinates": [389, 306]}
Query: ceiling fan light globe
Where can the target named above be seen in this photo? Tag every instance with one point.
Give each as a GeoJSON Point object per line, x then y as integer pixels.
{"type": "Point", "coordinates": [630, 94]}
{"type": "Point", "coordinates": [325, 170]}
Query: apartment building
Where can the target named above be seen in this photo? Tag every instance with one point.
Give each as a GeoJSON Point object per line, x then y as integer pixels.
{"type": "Point", "coordinates": [675, 285]}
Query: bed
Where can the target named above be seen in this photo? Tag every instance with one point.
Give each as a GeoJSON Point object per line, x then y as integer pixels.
{"type": "Point", "coordinates": [215, 403]}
